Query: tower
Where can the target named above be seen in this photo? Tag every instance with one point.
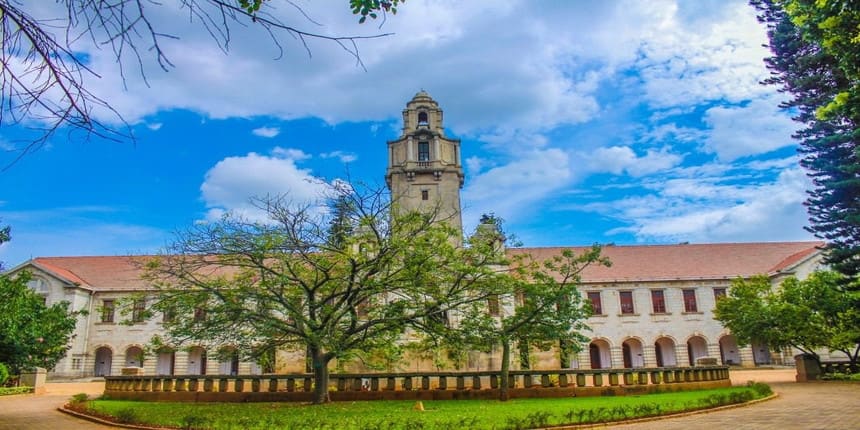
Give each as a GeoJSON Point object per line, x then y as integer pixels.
{"type": "Point", "coordinates": [424, 170]}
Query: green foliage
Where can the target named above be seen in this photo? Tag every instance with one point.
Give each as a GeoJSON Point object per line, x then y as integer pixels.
{"type": "Point", "coordinates": [816, 57]}
{"type": "Point", "coordinates": [814, 313]}
{"type": "Point", "coordinates": [760, 388]}
{"type": "Point", "coordinates": [371, 8]}
{"type": "Point", "coordinates": [128, 415]}
{"type": "Point", "coordinates": [79, 398]}
{"type": "Point", "coordinates": [4, 374]}
{"type": "Point", "coordinates": [344, 282]}
{"type": "Point", "coordinates": [9, 391]}
{"type": "Point", "coordinates": [32, 334]}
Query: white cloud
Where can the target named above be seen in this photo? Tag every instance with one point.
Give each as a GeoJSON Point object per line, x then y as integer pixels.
{"type": "Point", "coordinates": [756, 128]}
{"type": "Point", "coordinates": [290, 153]}
{"type": "Point", "coordinates": [154, 126]}
{"type": "Point", "coordinates": [707, 210]}
{"type": "Point", "coordinates": [620, 159]}
{"type": "Point", "coordinates": [344, 157]}
{"type": "Point", "coordinates": [234, 181]}
{"type": "Point", "coordinates": [268, 132]}
{"type": "Point", "coordinates": [511, 190]}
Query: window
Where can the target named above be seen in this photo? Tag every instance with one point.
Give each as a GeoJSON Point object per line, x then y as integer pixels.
{"type": "Point", "coordinates": [493, 305]}
{"type": "Point", "coordinates": [107, 311]}
{"type": "Point", "coordinates": [596, 305]}
{"type": "Point", "coordinates": [422, 118]}
{"type": "Point", "coordinates": [626, 301]}
{"type": "Point", "coordinates": [425, 195]}
{"type": "Point", "coordinates": [423, 151]}
{"type": "Point", "coordinates": [719, 293]}
{"type": "Point", "coordinates": [138, 310]}
{"type": "Point", "coordinates": [658, 301]}
{"type": "Point", "coordinates": [199, 314]}
{"type": "Point", "coordinates": [168, 315]}
{"type": "Point", "coordinates": [690, 301]}
{"type": "Point", "coordinates": [76, 363]}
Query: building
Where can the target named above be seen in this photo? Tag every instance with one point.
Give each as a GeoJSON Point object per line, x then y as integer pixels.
{"type": "Point", "coordinates": [653, 306]}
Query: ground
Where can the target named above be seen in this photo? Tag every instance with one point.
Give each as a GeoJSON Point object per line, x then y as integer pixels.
{"type": "Point", "coordinates": [832, 405]}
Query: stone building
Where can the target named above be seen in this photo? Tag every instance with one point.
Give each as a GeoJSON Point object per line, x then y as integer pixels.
{"type": "Point", "coordinates": [653, 306]}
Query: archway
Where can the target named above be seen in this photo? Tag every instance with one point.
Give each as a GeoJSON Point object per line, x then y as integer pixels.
{"type": "Point", "coordinates": [633, 354]}
{"type": "Point", "coordinates": [598, 351]}
{"type": "Point", "coordinates": [761, 353]}
{"type": "Point", "coordinates": [165, 361]}
{"type": "Point", "coordinates": [729, 353]}
{"type": "Point", "coordinates": [197, 361]}
{"type": "Point", "coordinates": [697, 348]}
{"type": "Point", "coordinates": [228, 363]}
{"type": "Point", "coordinates": [664, 349]}
{"type": "Point", "coordinates": [134, 357]}
{"type": "Point", "coordinates": [104, 359]}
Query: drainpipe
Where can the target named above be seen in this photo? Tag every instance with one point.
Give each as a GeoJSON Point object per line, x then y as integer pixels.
{"type": "Point", "coordinates": [87, 334]}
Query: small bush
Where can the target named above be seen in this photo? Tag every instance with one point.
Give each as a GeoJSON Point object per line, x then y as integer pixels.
{"type": "Point", "coordinates": [8, 391]}
{"type": "Point", "coordinates": [79, 398]}
{"type": "Point", "coordinates": [194, 422]}
{"type": "Point", "coordinates": [760, 388]}
{"type": "Point", "coordinates": [4, 374]}
{"type": "Point", "coordinates": [126, 416]}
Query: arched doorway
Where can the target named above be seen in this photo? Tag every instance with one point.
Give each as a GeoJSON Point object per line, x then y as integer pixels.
{"type": "Point", "coordinates": [631, 350]}
{"type": "Point", "coordinates": [134, 357]}
{"type": "Point", "coordinates": [729, 353]}
{"type": "Point", "coordinates": [598, 351]}
{"type": "Point", "coordinates": [264, 362]}
{"type": "Point", "coordinates": [664, 349]}
{"type": "Point", "coordinates": [165, 361]}
{"type": "Point", "coordinates": [697, 348]}
{"type": "Point", "coordinates": [761, 353]}
{"type": "Point", "coordinates": [228, 361]}
{"type": "Point", "coordinates": [104, 359]}
{"type": "Point", "coordinates": [197, 361]}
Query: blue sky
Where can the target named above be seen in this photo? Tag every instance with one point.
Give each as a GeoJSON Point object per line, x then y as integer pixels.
{"type": "Point", "coordinates": [606, 121]}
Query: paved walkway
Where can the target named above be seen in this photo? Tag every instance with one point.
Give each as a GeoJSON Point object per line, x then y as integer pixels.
{"type": "Point", "coordinates": [831, 406]}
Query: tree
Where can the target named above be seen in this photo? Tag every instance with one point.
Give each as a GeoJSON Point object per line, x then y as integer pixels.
{"type": "Point", "coordinates": [816, 62]}
{"type": "Point", "coordinates": [31, 333]}
{"type": "Point", "coordinates": [286, 283]}
{"type": "Point", "coordinates": [43, 76]}
{"type": "Point", "coordinates": [544, 307]}
{"type": "Point", "coordinates": [807, 315]}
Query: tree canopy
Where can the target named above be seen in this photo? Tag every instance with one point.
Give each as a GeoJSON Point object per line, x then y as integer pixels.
{"type": "Point", "coordinates": [296, 280]}
{"type": "Point", "coordinates": [31, 333]}
{"type": "Point", "coordinates": [814, 313]}
{"type": "Point", "coordinates": [815, 60]}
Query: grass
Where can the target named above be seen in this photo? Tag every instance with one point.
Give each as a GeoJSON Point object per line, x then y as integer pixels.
{"type": "Point", "coordinates": [447, 415]}
{"type": "Point", "coordinates": [8, 391]}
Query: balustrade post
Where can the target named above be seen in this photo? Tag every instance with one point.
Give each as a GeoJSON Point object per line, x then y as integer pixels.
{"type": "Point", "coordinates": [391, 384]}
{"type": "Point", "coordinates": [562, 380]}
{"type": "Point", "coordinates": [643, 378]}
{"type": "Point", "coordinates": [597, 379]}
{"type": "Point", "coordinates": [180, 384]}
{"type": "Point", "coordinates": [461, 382]}
{"type": "Point", "coordinates": [167, 385]}
{"type": "Point", "coordinates": [356, 384]}
{"type": "Point", "coordinates": [628, 378]}
{"type": "Point", "coordinates": [239, 385]}
{"type": "Point", "coordinates": [193, 385]}
{"type": "Point", "coordinates": [580, 379]}
{"type": "Point", "coordinates": [544, 380]}
{"type": "Point", "coordinates": [476, 382]}
{"type": "Point", "coordinates": [146, 384]}
{"type": "Point", "coordinates": [425, 382]}
{"type": "Point", "coordinates": [307, 385]}
{"type": "Point", "coordinates": [222, 385]}
{"type": "Point", "coordinates": [679, 376]}
{"type": "Point", "coordinates": [527, 381]}
{"type": "Point", "coordinates": [255, 385]}
{"type": "Point", "coordinates": [407, 383]}
{"type": "Point", "coordinates": [374, 384]}
{"type": "Point", "coordinates": [137, 384]}
{"type": "Point", "coordinates": [341, 383]}
{"type": "Point", "coordinates": [512, 381]}
{"type": "Point", "coordinates": [655, 377]}
{"type": "Point", "coordinates": [208, 384]}
{"type": "Point", "coordinates": [291, 385]}
{"type": "Point", "coordinates": [613, 379]}
{"type": "Point", "coordinates": [273, 385]}
{"type": "Point", "coordinates": [443, 383]}
{"type": "Point", "coordinates": [494, 381]}
{"type": "Point", "coordinates": [156, 384]}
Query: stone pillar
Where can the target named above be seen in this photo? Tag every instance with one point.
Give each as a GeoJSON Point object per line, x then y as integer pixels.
{"type": "Point", "coordinates": [649, 355]}
{"type": "Point", "coordinates": [616, 357]}
{"type": "Point", "coordinates": [34, 378]}
{"type": "Point", "coordinates": [807, 367]}
{"type": "Point", "coordinates": [746, 354]}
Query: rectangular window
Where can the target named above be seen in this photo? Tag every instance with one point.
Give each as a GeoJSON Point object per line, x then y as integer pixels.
{"type": "Point", "coordinates": [596, 304]}
{"type": "Point", "coordinates": [719, 293]}
{"type": "Point", "coordinates": [658, 301]}
{"type": "Point", "coordinates": [168, 315]}
{"type": "Point", "coordinates": [626, 301]}
{"type": "Point", "coordinates": [76, 363]}
{"type": "Point", "coordinates": [107, 311]}
{"type": "Point", "coordinates": [138, 310]}
{"type": "Point", "coordinates": [423, 151]}
{"type": "Point", "coordinates": [690, 301]}
{"type": "Point", "coordinates": [425, 195]}
{"type": "Point", "coordinates": [493, 306]}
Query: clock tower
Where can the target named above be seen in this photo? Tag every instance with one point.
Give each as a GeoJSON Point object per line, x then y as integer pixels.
{"type": "Point", "coordinates": [424, 169]}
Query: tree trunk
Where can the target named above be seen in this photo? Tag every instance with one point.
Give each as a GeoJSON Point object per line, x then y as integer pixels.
{"type": "Point", "coordinates": [504, 374]}
{"type": "Point", "coordinates": [320, 365]}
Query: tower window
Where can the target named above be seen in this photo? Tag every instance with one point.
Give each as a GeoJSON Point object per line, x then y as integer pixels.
{"type": "Point", "coordinates": [423, 151]}
{"type": "Point", "coordinates": [425, 195]}
{"type": "Point", "coordinates": [422, 118]}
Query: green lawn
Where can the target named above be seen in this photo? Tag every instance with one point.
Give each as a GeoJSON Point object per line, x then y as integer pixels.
{"type": "Point", "coordinates": [447, 415]}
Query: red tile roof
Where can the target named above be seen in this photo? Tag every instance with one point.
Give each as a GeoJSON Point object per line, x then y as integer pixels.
{"type": "Point", "coordinates": [714, 261]}
{"type": "Point", "coordinates": [640, 263]}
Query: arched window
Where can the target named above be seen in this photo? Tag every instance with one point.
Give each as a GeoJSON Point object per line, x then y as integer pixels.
{"type": "Point", "coordinates": [422, 118]}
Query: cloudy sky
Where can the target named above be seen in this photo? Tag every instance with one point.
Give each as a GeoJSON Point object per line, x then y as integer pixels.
{"type": "Point", "coordinates": [604, 121]}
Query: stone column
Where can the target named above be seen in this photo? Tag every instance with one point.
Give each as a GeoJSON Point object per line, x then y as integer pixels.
{"type": "Point", "coordinates": [34, 378]}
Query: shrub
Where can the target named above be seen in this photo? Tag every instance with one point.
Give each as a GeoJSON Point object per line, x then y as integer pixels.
{"type": "Point", "coordinates": [194, 422]}
{"type": "Point", "coordinates": [79, 398]}
{"type": "Point", "coordinates": [126, 416]}
{"type": "Point", "coordinates": [4, 374]}
{"type": "Point", "coordinates": [760, 388]}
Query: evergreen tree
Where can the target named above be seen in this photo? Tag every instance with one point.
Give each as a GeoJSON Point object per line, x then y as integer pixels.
{"type": "Point", "coordinates": [815, 78]}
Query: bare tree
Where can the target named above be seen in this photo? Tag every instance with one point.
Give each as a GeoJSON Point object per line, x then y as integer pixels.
{"type": "Point", "coordinates": [43, 79]}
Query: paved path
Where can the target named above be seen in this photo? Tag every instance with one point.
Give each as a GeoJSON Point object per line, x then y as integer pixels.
{"type": "Point", "coordinates": [808, 406]}
{"type": "Point", "coordinates": [812, 406]}
{"type": "Point", "coordinates": [40, 412]}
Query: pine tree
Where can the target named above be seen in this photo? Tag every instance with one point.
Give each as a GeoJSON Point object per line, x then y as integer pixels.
{"type": "Point", "coordinates": [829, 143]}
